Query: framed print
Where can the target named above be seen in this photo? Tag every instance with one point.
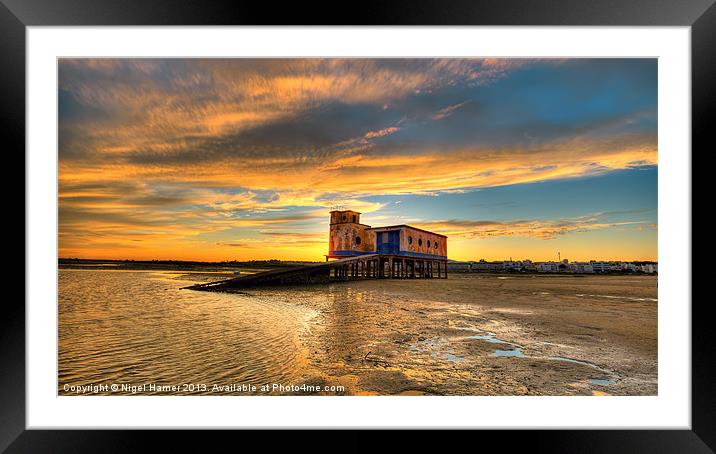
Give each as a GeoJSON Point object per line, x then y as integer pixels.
{"type": "Point", "coordinates": [457, 217]}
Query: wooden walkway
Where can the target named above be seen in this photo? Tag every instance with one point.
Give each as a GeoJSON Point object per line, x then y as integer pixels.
{"type": "Point", "coordinates": [369, 266]}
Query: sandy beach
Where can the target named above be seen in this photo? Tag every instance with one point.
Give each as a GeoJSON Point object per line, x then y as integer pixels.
{"type": "Point", "coordinates": [480, 334]}
{"type": "Point", "coordinates": [471, 334]}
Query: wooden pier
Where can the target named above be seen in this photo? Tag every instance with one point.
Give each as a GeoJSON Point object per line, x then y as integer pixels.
{"type": "Point", "coordinates": [367, 266]}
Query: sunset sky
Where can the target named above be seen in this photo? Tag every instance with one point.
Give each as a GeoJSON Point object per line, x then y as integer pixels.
{"type": "Point", "coordinates": [238, 159]}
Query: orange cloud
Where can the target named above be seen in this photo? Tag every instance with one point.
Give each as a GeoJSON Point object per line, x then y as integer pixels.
{"type": "Point", "coordinates": [381, 133]}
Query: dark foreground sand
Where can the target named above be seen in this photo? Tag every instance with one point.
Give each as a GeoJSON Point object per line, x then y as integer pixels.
{"type": "Point", "coordinates": [440, 337]}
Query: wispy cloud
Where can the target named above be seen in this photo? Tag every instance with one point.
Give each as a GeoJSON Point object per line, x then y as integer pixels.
{"type": "Point", "coordinates": [381, 132]}
{"type": "Point", "coordinates": [447, 111]}
{"type": "Point", "coordinates": [543, 229]}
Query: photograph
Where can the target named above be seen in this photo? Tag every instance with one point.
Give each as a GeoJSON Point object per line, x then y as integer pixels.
{"type": "Point", "coordinates": [365, 226]}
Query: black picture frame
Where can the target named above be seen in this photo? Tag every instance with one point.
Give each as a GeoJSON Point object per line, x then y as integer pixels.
{"type": "Point", "coordinates": [16, 15]}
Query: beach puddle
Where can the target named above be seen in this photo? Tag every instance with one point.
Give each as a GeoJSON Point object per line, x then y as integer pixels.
{"type": "Point", "coordinates": [515, 352]}
{"type": "Point", "coordinates": [489, 337]}
{"type": "Point", "coordinates": [593, 381]}
{"type": "Point", "coordinates": [439, 347]}
{"type": "Point", "coordinates": [512, 350]}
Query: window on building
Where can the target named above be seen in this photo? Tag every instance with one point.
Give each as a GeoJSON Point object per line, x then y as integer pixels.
{"type": "Point", "coordinates": [354, 218]}
{"type": "Point", "coordinates": [344, 217]}
{"type": "Point", "coordinates": [428, 243]}
{"type": "Point", "coordinates": [358, 240]}
{"type": "Point", "coordinates": [410, 240]}
{"type": "Point", "coordinates": [420, 241]}
{"type": "Point", "coordinates": [436, 245]}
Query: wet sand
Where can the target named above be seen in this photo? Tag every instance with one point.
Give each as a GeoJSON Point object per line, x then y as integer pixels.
{"type": "Point", "coordinates": [481, 334]}
{"type": "Point", "coordinates": [471, 334]}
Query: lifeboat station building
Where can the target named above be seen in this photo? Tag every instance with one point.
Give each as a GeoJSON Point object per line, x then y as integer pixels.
{"type": "Point", "coordinates": [391, 251]}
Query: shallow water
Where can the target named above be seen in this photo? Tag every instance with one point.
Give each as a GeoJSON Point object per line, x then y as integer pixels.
{"type": "Point", "coordinates": [515, 352]}
{"type": "Point", "coordinates": [140, 327]}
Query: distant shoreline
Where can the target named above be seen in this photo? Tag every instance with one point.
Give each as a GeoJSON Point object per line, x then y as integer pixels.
{"type": "Point", "coordinates": [179, 265]}
{"type": "Point", "coordinates": [232, 266]}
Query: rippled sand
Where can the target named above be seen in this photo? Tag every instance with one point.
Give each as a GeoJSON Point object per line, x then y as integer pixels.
{"type": "Point", "coordinates": [139, 327]}
{"type": "Point", "coordinates": [472, 334]}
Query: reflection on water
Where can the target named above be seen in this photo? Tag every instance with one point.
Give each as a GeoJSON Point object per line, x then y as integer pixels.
{"type": "Point", "coordinates": [140, 327]}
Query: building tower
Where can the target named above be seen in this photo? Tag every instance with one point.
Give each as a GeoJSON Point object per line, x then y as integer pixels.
{"type": "Point", "coordinates": [348, 236]}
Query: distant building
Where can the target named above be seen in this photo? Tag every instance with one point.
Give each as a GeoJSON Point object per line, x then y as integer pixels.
{"type": "Point", "coordinates": [581, 267]}
{"type": "Point", "coordinates": [527, 265]}
{"type": "Point", "coordinates": [550, 267]}
{"type": "Point", "coordinates": [459, 266]}
{"type": "Point", "coordinates": [630, 267]}
{"type": "Point", "coordinates": [482, 265]}
{"type": "Point", "coordinates": [649, 268]}
{"type": "Point", "coordinates": [605, 267]}
{"type": "Point", "coordinates": [511, 265]}
{"type": "Point", "coordinates": [563, 266]}
{"type": "Point", "coordinates": [348, 237]}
